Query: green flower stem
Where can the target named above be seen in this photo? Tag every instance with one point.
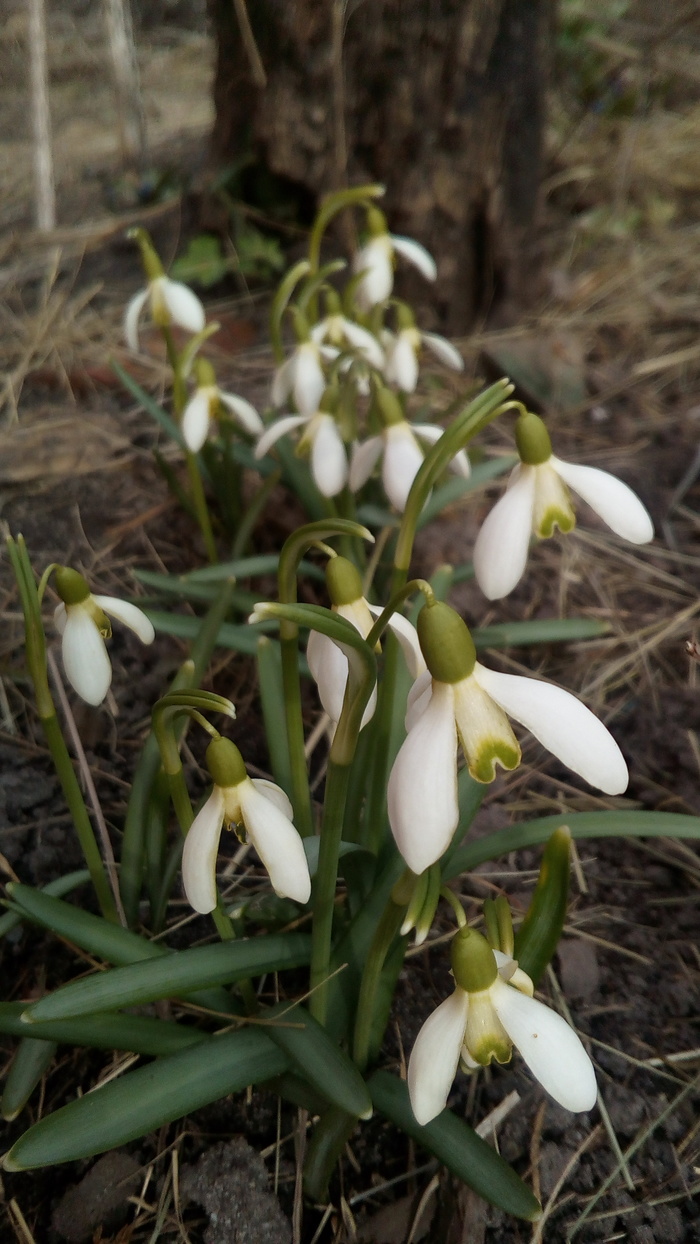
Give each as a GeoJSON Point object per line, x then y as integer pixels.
{"type": "Point", "coordinates": [35, 650]}
{"type": "Point", "coordinates": [414, 585]}
{"type": "Point", "coordinates": [330, 206]}
{"type": "Point", "coordinates": [323, 898]}
{"type": "Point", "coordinates": [451, 898]}
{"type": "Point", "coordinates": [196, 487]}
{"type": "Point", "coordinates": [387, 930]}
{"type": "Point", "coordinates": [382, 723]}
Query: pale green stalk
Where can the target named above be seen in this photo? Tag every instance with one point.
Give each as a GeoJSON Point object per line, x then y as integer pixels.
{"type": "Point", "coordinates": [198, 498]}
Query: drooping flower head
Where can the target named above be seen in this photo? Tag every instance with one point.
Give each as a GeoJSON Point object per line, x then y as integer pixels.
{"type": "Point", "coordinates": [375, 261]}
{"type": "Point", "coordinates": [321, 441]}
{"type": "Point", "coordinates": [81, 619]}
{"type": "Point", "coordinates": [205, 404]}
{"type": "Point", "coordinates": [170, 302]}
{"type": "Point", "coordinates": [263, 813]}
{"type": "Point", "coordinates": [458, 700]}
{"type": "Point", "coordinates": [398, 446]}
{"type": "Point", "coordinates": [328, 663]}
{"type": "Point", "coordinates": [336, 330]}
{"type": "Point", "coordinates": [491, 1010]}
{"type": "Point", "coordinates": [538, 500]}
{"type": "Point", "coordinates": [403, 347]}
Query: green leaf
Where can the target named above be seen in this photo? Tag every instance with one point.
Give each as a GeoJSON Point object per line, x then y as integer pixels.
{"type": "Point", "coordinates": [542, 631]}
{"type": "Point", "coordinates": [329, 1138]}
{"type": "Point", "coordinates": [582, 825]}
{"type": "Point", "coordinates": [99, 937]}
{"type": "Point", "coordinates": [113, 1031]}
{"type": "Point", "coordinates": [202, 263]}
{"type": "Point", "coordinates": [326, 1067]}
{"type": "Point", "coordinates": [174, 975]}
{"type": "Point", "coordinates": [536, 939]}
{"type": "Point", "coordinates": [145, 1099]}
{"type": "Point", "coordinates": [59, 887]}
{"type": "Point", "coordinates": [459, 1148]}
{"type": "Point", "coordinates": [272, 704]}
{"type": "Point", "coordinates": [150, 406]}
{"type": "Point", "coordinates": [456, 488]}
{"type": "Point", "coordinates": [32, 1059]}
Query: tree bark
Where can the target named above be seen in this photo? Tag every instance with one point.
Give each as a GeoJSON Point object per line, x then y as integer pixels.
{"type": "Point", "coordinates": [440, 100]}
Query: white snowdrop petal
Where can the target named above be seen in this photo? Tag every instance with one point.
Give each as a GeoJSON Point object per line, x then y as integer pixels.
{"type": "Point", "coordinates": [277, 843]}
{"type": "Point", "coordinates": [418, 698]}
{"type": "Point", "coordinates": [184, 306]}
{"type": "Point", "coordinates": [60, 617]}
{"type": "Point", "coordinates": [329, 461]}
{"type": "Point", "coordinates": [363, 458]}
{"type": "Point", "coordinates": [434, 1059]}
{"type": "Point", "coordinates": [131, 319]}
{"type": "Point", "coordinates": [415, 254]}
{"type": "Point", "coordinates": [562, 724]}
{"type": "Point", "coordinates": [615, 502]}
{"type": "Point", "coordinates": [283, 381]}
{"type": "Point", "coordinates": [195, 420]}
{"type": "Point", "coordinates": [407, 636]}
{"type": "Point", "coordinates": [501, 547]}
{"type": "Point", "coordinates": [402, 462]}
{"type": "Point", "coordinates": [309, 381]}
{"type": "Point", "coordinates": [443, 350]}
{"type": "Point", "coordinates": [402, 364]}
{"type": "Point", "coordinates": [374, 261]}
{"type": "Point", "coordinates": [129, 615]}
{"type": "Point", "coordinates": [274, 792]}
{"type": "Point", "coordinates": [276, 430]}
{"type": "Point", "coordinates": [329, 670]}
{"type": "Point", "coordinates": [364, 341]}
{"type": "Point", "coordinates": [550, 1047]}
{"type": "Point", "coordinates": [244, 412]}
{"type": "Point", "coordinates": [85, 657]}
{"type": "Point", "coordinates": [199, 854]}
{"type": "Point", "coordinates": [422, 791]}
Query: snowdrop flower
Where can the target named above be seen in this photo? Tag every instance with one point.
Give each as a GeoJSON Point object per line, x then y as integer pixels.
{"type": "Point", "coordinates": [328, 663]}
{"type": "Point", "coordinates": [538, 500]}
{"type": "Point", "coordinates": [265, 813]}
{"type": "Point", "coordinates": [170, 302]}
{"type": "Point", "coordinates": [460, 700]}
{"type": "Point", "coordinates": [403, 348]}
{"type": "Point", "coordinates": [321, 439]}
{"type": "Point", "coordinates": [204, 406]}
{"type": "Point", "coordinates": [81, 619]}
{"type": "Point", "coordinates": [402, 456]}
{"type": "Point", "coordinates": [301, 376]}
{"type": "Point", "coordinates": [374, 262]}
{"type": "Point", "coordinates": [490, 1011]}
{"type": "Point", "coordinates": [340, 332]}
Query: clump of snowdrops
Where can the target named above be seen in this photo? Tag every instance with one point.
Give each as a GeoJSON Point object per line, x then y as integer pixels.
{"type": "Point", "coordinates": [412, 725]}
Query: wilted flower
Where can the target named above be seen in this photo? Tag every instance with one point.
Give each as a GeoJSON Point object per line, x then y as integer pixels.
{"type": "Point", "coordinates": [459, 700]}
{"type": "Point", "coordinates": [204, 404]}
{"type": "Point", "coordinates": [264, 812]}
{"type": "Point", "coordinates": [538, 500]}
{"type": "Point", "coordinates": [82, 621]}
{"type": "Point", "coordinates": [490, 1011]}
{"type": "Point", "coordinates": [375, 261]}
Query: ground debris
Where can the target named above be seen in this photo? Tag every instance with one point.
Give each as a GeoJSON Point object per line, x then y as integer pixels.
{"type": "Point", "coordinates": [230, 1182]}
{"type": "Point", "coordinates": [99, 1200]}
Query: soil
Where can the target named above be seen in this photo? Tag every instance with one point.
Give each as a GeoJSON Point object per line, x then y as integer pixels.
{"type": "Point", "coordinates": [628, 967]}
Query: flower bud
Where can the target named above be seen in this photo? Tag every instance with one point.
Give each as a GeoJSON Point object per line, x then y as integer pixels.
{"type": "Point", "coordinates": [532, 440]}
{"type": "Point", "coordinates": [446, 643]}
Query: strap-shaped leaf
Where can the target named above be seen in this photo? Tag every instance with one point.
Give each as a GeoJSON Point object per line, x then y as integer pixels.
{"type": "Point", "coordinates": [145, 1099]}
{"type": "Point", "coordinates": [173, 975]}
{"type": "Point", "coordinates": [536, 939]}
{"type": "Point", "coordinates": [99, 937]}
{"type": "Point", "coordinates": [459, 1148]}
{"type": "Point", "coordinates": [136, 1033]}
{"type": "Point", "coordinates": [31, 1060]}
{"type": "Point", "coordinates": [58, 887]}
{"type": "Point", "coordinates": [316, 1055]}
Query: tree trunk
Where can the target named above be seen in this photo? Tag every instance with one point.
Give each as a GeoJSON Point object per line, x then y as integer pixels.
{"type": "Point", "coordinates": [440, 100]}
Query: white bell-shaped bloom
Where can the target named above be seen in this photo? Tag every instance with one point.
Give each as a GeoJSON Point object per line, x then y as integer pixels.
{"type": "Point", "coordinates": [474, 711]}
{"type": "Point", "coordinates": [170, 302]}
{"type": "Point", "coordinates": [84, 626]}
{"type": "Point", "coordinates": [202, 408]}
{"type": "Point", "coordinates": [301, 377]}
{"type": "Point", "coordinates": [402, 350]}
{"type": "Point", "coordinates": [339, 332]}
{"type": "Point", "coordinates": [478, 1026]}
{"type": "Point", "coordinates": [536, 501]}
{"type": "Point", "coordinates": [402, 456]}
{"type": "Point", "coordinates": [329, 664]}
{"type": "Point", "coordinates": [265, 813]}
{"type": "Point", "coordinates": [321, 439]}
{"type": "Point", "coordinates": [375, 261]}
